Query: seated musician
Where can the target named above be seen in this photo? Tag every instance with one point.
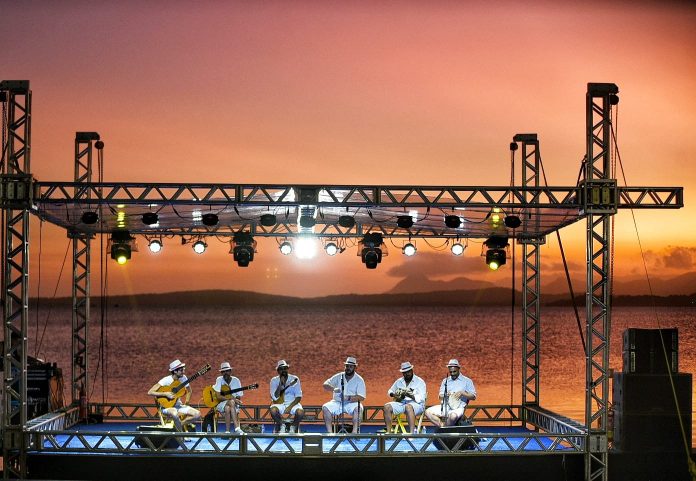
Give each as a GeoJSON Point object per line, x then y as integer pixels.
{"type": "Point", "coordinates": [286, 394]}
{"type": "Point", "coordinates": [229, 404]}
{"type": "Point", "coordinates": [456, 390]}
{"type": "Point", "coordinates": [348, 389]}
{"type": "Point", "coordinates": [180, 413]}
{"type": "Point", "coordinates": [409, 393]}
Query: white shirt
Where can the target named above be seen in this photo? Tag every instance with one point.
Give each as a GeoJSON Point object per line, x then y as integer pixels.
{"type": "Point", "coordinates": [233, 384]}
{"type": "Point", "coordinates": [353, 387]}
{"type": "Point", "coordinates": [418, 386]}
{"type": "Point", "coordinates": [462, 383]}
{"type": "Point", "coordinates": [290, 393]}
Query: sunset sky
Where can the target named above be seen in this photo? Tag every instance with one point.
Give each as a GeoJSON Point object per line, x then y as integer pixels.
{"type": "Point", "coordinates": [412, 93]}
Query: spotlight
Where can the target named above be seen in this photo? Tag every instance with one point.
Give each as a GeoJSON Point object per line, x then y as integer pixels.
{"type": "Point", "coordinates": [121, 253]}
{"type": "Point", "coordinates": [331, 248]}
{"type": "Point", "coordinates": [286, 248]}
{"type": "Point", "coordinates": [404, 221]}
{"type": "Point", "coordinates": [268, 220]}
{"type": "Point", "coordinates": [496, 258]}
{"type": "Point", "coordinates": [458, 249]}
{"type": "Point", "coordinates": [199, 247]}
{"type": "Point", "coordinates": [155, 246]}
{"type": "Point", "coordinates": [307, 221]}
{"type": "Point", "coordinates": [512, 221]}
{"type": "Point", "coordinates": [409, 250]}
{"type": "Point", "coordinates": [150, 218]}
{"type": "Point", "coordinates": [371, 251]}
{"type": "Point", "coordinates": [209, 219]}
{"type": "Point", "coordinates": [346, 221]}
{"type": "Point", "coordinates": [243, 248]}
{"type": "Point", "coordinates": [452, 221]}
{"type": "Point", "coordinates": [306, 247]}
{"type": "Point", "coordinates": [90, 218]}
{"type": "Point", "coordinates": [121, 248]}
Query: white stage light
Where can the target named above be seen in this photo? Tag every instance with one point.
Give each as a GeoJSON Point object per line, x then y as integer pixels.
{"type": "Point", "coordinates": [331, 248]}
{"type": "Point", "coordinates": [155, 246]}
{"type": "Point", "coordinates": [457, 249]}
{"type": "Point", "coordinates": [409, 250]}
{"type": "Point", "coordinates": [305, 247]}
{"type": "Point", "coordinates": [285, 248]}
{"type": "Point", "coordinates": [199, 247]}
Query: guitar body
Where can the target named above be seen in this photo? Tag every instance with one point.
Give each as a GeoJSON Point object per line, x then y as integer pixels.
{"type": "Point", "coordinates": [178, 389]}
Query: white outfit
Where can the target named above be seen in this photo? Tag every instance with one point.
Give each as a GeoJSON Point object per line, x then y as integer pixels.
{"type": "Point", "coordinates": [290, 394]}
{"type": "Point", "coordinates": [355, 386]}
{"type": "Point", "coordinates": [462, 383]}
{"type": "Point", "coordinates": [419, 393]}
{"type": "Point", "coordinates": [233, 384]}
{"type": "Point", "coordinates": [181, 408]}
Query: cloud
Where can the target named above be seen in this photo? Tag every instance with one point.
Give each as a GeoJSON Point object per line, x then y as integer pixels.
{"type": "Point", "coordinates": [673, 257]}
{"type": "Point", "coordinates": [438, 264]}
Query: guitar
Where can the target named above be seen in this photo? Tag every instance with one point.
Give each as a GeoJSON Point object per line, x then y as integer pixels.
{"type": "Point", "coordinates": [211, 398]}
{"type": "Point", "coordinates": [178, 388]}
{"type": "Point", "coordinates": [281, 396]}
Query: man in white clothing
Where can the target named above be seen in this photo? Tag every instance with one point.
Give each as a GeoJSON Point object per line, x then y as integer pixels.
{"type": "Point", "coordinates": [286, 394]}
{"type": "Point", "coordinates": [456, 390]}
{"type": "Point", "coordinates": [229, 402]}
{"type": "Point", "coordinates": [349, 391]}
{"type": "Point", "coordinates": [409, 393]}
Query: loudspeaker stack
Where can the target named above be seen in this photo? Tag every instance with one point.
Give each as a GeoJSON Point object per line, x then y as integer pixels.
{"type": "Point", "coordinates": [646, 412]}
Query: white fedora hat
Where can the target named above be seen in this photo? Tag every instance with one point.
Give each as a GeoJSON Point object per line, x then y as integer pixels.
{"type": "Point", "coordinates": [453, 363]}
{"type": "Point", "coordinates": [282, 363]}
{"type": "Point", "coordinates": [174, 365]}
{"type": "Point", "coordinates": [406, 366]}
{"type": "Point", "coordinates": [225, 366]}
{"type": "Point", "coordinates": [351, 361]}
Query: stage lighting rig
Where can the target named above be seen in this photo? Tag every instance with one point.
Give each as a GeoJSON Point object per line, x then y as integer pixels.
{"type": "Point", "coordinates": [122, 245]}
{"type": "Point", "coordinates": [243, 248]}
{"type": "Point", "coordinates": [371, 249]}
{"type": "Point", "coordinates": [496, 253]}
{"type": "Point", "coordinates": [285, 248]}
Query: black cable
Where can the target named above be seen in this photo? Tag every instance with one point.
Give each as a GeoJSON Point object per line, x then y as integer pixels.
{"type": "Point", "coordinates": [55, 291]}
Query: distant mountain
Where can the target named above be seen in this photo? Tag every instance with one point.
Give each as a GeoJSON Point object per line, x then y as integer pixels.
{"type": "Point", "coordinates": [422, 284]}
{"type": "Point", "coordinates": [684, 284]}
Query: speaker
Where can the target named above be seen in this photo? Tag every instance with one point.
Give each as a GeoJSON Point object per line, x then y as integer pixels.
{"type": "Point", "coordinates": [643, 352]}
{"type": "Point", "coordinates": [159, 436]}
{"type": "Point", "coordinates": [651, 393]}
{"type": "Point", "coordinates": [650, 432]}
{"type": "Point", "coordinates": [451, 442]}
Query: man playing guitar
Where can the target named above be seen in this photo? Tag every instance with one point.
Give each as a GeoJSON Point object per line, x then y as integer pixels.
{"type": "Point", "coordinates": [180, 413]}
{"type": "Point", "coordinates": [286, 394]}
{"type": "Point", "coordinates": [229, 403]}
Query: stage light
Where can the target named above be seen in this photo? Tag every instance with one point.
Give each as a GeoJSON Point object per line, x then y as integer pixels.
{"type": "Point", "coordinates": [495, 216]}
{"type": "Point", "coordinates": [155, 246]}
{"type": "Point", "coordinates": [496, 258]}
{"type": "Point", "coordinates": [90, 218]}
{"type": "Point", "coordinates": [150, 218]}
{"type": "Point", "coordinates": [209, 219]}
{"type": "Point", "coordinates": [409, 250]}
{"type": "Point", "coordinates": [512, 221]}
{"type": "Point", "coordinates": [199, 247]}
{"type": "Point", "coordinates": [285, 248]}
{"type": "Point", "coordinates": [243, 248]}
{"type": "Point", "coordinates": [122, 245]}
{"type": "Point", "coordinates": [307, 221]}
{"type": "Point", "coordinates": [458, 249]}
{"type": "Point", "coordinates": [404, 221]}
{"type": "Point", "coordinates": [496, 255]}
{"type": "Point", "coordinates": [331, 248]}
{"type": "Point", "coordinates": [305, 247]}
{"type": "Point", "coordinates": [346, 221]}
{"type": "Point", "coordinates": [371, 249]}
{"type": "Point", "coordinates": [268, 220]}
{"type": "Point", "coordinates": [452, 221]}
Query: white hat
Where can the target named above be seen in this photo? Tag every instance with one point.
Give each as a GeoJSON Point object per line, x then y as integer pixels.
{"type": "Point", "coordinates": [225, 366]}
{"type": "Point", "coordinates": [406, 366]}
{"type": "Point", "coordinates": [453, 363]}
{"type": "Point", "coordinates": [352, 361]}
{"type": "Point", "coordinates": [174, 365]}
{"type": "Point", "coordinates": [282, 363]}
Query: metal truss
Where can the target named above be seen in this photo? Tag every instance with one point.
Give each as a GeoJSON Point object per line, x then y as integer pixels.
{"type": "Point", "coordinates": [81, 271]}
{"type": "Point", "coordinates": [601, 203]}
{"type": "Point", "coordinates": [15, 97]}
{"type": "Point", "coordinates": [531, 279]}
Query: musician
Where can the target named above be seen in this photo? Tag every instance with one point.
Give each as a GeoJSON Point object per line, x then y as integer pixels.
{"type": "Point", "coordinates": [180, 413]}
{"type": "Point", "coordinates": [286, 393]}
{"type": "Point", "coordinates": [349, 387]}
{"type": "Point", "coordinates": [456, 390]}
{"type": "Point", "coordinates": [409, 393]}
{"type": "Point", "coordinates": [229, 406]}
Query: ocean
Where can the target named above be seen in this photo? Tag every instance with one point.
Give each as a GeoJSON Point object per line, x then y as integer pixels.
{"type": "Point", "coordinates": [140, 343]}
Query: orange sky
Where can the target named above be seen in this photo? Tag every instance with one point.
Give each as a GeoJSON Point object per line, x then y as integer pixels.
{"type": "Point", "coordinates": [367, 93]}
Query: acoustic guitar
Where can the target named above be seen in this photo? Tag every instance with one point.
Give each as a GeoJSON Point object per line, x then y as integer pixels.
{"type": "Point", "coordinates": [211, 397]}
{"type": "Point", "coordinates": [178, 388]}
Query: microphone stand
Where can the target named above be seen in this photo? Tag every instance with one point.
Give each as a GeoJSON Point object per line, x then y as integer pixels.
{"type": "Point", "coordinates": [342, 428]}
{"type": "Point", "coordinates": [445, 402]}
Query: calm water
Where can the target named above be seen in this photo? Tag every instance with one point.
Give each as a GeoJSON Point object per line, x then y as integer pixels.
{"type": "Point", "coordinates": [316, 341]}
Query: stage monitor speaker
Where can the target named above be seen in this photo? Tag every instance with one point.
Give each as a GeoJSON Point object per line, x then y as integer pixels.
{"type": "Point", "coordinates": [643, 352]}
{"type": "Point", "coordinates": [451, 442]}
{"type": "Point", "coordinates": [159, 436]}
{"type": "Point", "coordinates": [651, 393]}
